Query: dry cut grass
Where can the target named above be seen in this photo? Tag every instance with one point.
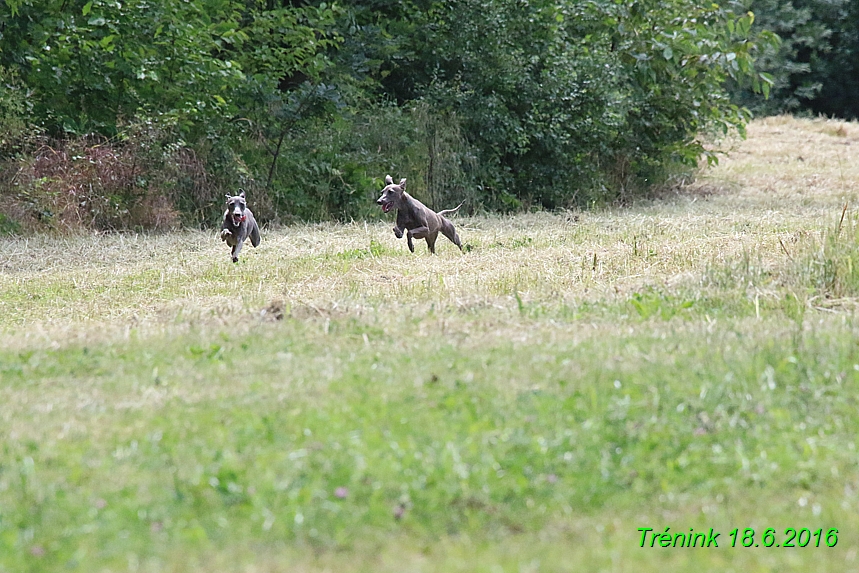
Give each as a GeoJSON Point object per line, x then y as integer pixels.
{"type": "Point", "coordinates": [773, 193]}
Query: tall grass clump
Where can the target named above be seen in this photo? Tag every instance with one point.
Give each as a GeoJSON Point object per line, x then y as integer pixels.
{"type": "Point", "coordinates": [826, 266]}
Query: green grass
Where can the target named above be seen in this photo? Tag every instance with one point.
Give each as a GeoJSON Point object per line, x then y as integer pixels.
{"type": "Point", "coordinates": [335, 403]}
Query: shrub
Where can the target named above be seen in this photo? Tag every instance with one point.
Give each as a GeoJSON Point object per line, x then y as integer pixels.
{"type": "Point", "coordinates": [15, 112]}
{"type": "Point", "coordinates": [96, 183]}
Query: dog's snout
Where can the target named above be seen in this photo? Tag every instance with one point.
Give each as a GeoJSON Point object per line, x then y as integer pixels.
{"type": "Point", "coordinates": [379, 201]}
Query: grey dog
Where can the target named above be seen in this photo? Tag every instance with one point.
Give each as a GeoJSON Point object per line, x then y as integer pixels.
{"type": "Point", "coordinates": [239, 224]}
{"type": "Point", "coordinates": [416, 219]}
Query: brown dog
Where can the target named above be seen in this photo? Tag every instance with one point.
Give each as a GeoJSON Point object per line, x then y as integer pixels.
{"type": "Point", "coordinates": [415, 218]}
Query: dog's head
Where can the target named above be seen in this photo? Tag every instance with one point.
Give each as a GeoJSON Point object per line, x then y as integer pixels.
{"type": "Point", "coordinates": [392, 195]}
{"type": "Point", "coordinates": [236, 206]}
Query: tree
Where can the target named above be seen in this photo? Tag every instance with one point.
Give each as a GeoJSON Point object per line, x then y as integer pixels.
{"type": "Point", "coordinates": [512, 104]}
{"type": "Point", "coordinates": [567, 102]}
{"type": "Point", "coordinates": [816, 65]}
{"type": "Point", "coordinates": [93, 63]}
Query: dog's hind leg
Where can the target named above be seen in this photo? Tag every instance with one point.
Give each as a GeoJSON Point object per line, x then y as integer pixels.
{"type": "Point", "coordinates": [449, 231]}
{"type": "Point", "coordinates": [255, 238]}
{"type": "Point", "coordinates": [431, 237]}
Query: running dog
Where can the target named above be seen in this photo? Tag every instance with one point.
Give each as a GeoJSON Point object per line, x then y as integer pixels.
{"type": "Point", "coordinates": [239, 224]}
{"type": "Point", "coordinates": [416, 219]}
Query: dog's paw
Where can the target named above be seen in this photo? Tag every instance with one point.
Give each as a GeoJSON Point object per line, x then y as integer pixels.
{"type": "Point", "coordinates": [235, 259]}
{"type": "Point", "coordinates": [225, 233]}
{"type": "Point", "coordinates": [397, 233]}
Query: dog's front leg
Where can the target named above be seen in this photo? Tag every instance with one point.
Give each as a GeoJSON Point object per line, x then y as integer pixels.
{"type": "Point", "coordinates": [419, 233]}
{"type": "Point", "coordinates": [398, 233]}
{"type": "Point", "coordinates": [237, 248]}
{"type": "Point", "coordinates": [225, 227]}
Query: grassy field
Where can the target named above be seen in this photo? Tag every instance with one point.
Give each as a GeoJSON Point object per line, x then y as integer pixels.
{"type": "Point", "coordinates": [336, 403]}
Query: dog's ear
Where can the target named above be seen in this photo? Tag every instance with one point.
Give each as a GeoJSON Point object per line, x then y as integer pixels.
{"type": "Point", "coordinates": [241, 193]}
{"type": "Point", "coordinates": [403, 182]}
{"type": "Point", "coordinates": [389, 180]}
{"type": "Point", "coordinates": [228, 196]}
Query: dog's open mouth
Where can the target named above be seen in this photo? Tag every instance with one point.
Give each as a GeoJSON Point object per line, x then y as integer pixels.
{"type": "Point", "coordinates": [386, 207]}
{"type": "Point", "coordinates": [237, 219]}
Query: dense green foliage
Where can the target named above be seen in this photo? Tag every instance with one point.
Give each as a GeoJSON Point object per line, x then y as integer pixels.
{"type": "Point", "coordinates": [308, 104]}
{"type": "Point", "coordinates": [94, 63]}
{"type": "Point", "coordinates": [816, 66]}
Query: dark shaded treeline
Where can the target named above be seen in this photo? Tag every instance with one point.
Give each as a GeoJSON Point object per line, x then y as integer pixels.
{"type": "Point", "coordinates": [815, 68]}
{"type": "Point", "coordinates": [308, 105]}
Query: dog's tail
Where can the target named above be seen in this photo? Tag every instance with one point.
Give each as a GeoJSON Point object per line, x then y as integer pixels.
{"type": "Point", "coordinates": [446, 212]}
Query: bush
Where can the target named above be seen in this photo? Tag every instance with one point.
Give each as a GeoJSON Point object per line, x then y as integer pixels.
{"type": "Point", "coordinates": [96, 183]}
{"type": "Point", "coordinates": [15, 113]}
